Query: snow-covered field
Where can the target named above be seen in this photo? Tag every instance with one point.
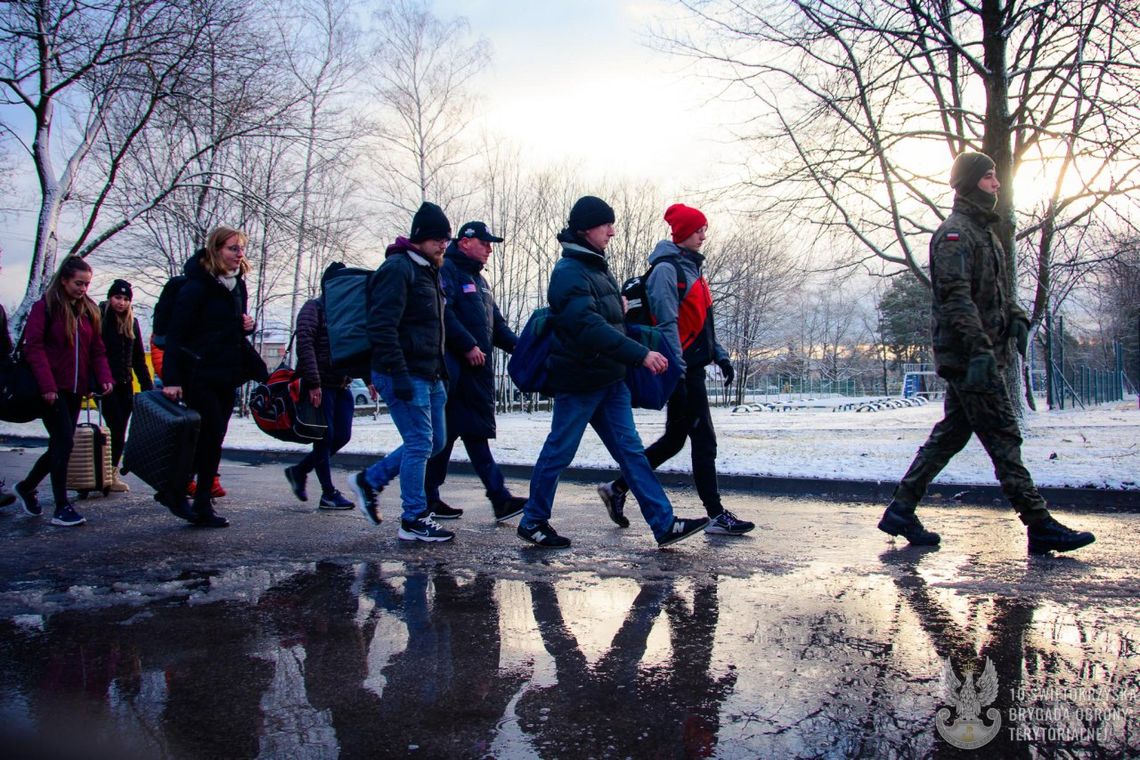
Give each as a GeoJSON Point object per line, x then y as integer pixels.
{"type": "Point", "coordinates": [1099, 447]}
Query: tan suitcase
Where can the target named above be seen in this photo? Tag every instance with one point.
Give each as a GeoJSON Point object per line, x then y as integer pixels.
{"type": "Point", "coordinates": [89, 468]}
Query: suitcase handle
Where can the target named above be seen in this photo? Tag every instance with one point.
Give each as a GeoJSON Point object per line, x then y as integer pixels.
{"type": "Point", "coordinates": [98, 408]}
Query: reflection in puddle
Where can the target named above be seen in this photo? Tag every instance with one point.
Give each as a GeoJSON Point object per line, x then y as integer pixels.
{"type": "Point", "coordinates": [378, 659]}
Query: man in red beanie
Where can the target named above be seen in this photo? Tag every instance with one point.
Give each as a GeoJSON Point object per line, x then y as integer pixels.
{"type": "Point", "coordinates": [681, 305]}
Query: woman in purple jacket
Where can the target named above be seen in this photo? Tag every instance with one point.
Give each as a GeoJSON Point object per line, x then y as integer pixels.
{"type": "Point", "coordinates": [64, 348]}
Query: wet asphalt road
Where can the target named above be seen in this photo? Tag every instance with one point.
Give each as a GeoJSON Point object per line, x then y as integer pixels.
{"type": "Point", "coordinates": [303, 634]}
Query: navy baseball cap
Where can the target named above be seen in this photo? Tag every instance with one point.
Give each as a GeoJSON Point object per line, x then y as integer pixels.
{"type": "Point", "coordinates": [479, 231]}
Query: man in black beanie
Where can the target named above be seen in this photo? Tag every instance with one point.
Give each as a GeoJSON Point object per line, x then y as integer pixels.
{"type": "Point", "coordinates": [405, 328]}
{"type": "Point", "coordinates": [589, 357]}
{"type": "Point", "coordinates": [974, 322]}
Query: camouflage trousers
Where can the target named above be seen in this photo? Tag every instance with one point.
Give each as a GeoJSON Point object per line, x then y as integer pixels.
{"type": "Point", "coordinates": [987, 413]}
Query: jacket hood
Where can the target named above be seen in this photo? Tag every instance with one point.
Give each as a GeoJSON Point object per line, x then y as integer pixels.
{"type": "Point", "coordinates": [666, 248]}
{"type": "Point", "coordinates": [194, 263]}
{"type": "Point", "coordinates": [573, 246]}
{"type": "Point", "coordinates": [401, 245]}
{"type": "Point", "coordinates": [461, 259]}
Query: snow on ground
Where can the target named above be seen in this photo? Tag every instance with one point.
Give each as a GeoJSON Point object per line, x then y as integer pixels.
{"type": "Point", "coordinates": [1099, 447]}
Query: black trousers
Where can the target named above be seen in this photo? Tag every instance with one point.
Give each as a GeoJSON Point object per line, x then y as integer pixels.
{"type": "Point", "coordinates": [215, 405]}
{"type": "Point", "coordinates": [117, 408]}
{"type": "Point", "coordinates": [59, 419]}
{"type": "Point", "coordinates": [687, 417]}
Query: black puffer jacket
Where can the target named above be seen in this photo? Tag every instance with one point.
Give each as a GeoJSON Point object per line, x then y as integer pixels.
{"type": "Point", "coordinates": [471, 319]}
{"type": "Point", "coordinates": [124, 354]}
{"type": "Point", "coordinates": [405, 315]}
{"type": "Point", "coordinates": [590, 349]}
{"type": "Point", "coordinates": [206, 342]}
{"type": "Point", "coordinates": [314, 359]}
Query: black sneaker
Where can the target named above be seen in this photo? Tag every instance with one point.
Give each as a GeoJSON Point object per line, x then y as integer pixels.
{"type": "Point", "coordinates": [335, 500]}
{"type": "Point", "coordinates": [508, 507]}
{"type": "Point", "coordinates": [543, 535]}
{"type": "Point", "coordinates": [67, 517]}
{"type": "Point", "coordinates": [728, 524]}
{"type": "Point", "coordinates": [682, 528]}
{"type": "Point", "coordinates": [423, 528]}
{"type": "Point", "coordinates": [896, 522]}
{"type": "Point", "coordinates": [209, 519]}
{"type": "Point", "coordinates": [296, 482]}
{"type": "Point", "coordinates": [27, 498]}
{"type": "Point", "coordinates": [366, 497]}
{"type": "Point", "coordinates": [615, 503]}
{"type": "Point", "coordinates": [1048, 535]}
{"type": "Point", "coordinates": [441, 510]}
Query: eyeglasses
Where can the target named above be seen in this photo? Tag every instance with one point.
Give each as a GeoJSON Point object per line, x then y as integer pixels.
{"type": "Point", "coordinates": [235, 248]}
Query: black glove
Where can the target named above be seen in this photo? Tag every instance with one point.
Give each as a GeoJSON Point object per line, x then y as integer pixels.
{"type": "Point", "coordinates": [1019, 334]}
{"type": "Point", "coordinates": [982, 371]}
{"type": "Point", "coordinates": [402, 386]}
{"type": "Point", "coordinates": [726, 370]}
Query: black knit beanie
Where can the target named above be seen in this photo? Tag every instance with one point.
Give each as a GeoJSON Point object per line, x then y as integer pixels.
{"type": "Point", "coordinates": [968, 170]}
{"type": "Point", "coordinates": [430, 223]}
{"type": "Point", "coordinates": [120, 288]}
{"type": "Point", "coordinates": [589, 212]}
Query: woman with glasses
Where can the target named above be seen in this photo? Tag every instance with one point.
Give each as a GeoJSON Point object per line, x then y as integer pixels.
{"type": "Point", "coordinates": [208, 357]}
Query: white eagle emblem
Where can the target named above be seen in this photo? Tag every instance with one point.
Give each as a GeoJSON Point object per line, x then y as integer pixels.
{"type": "Point", "coordinates": [968, 731]}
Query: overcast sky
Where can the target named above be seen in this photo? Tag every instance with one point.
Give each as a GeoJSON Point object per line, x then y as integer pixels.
{"type": "Point", "coordinates": [571, 82]}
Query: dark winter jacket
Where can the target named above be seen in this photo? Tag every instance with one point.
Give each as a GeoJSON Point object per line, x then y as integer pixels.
{"type": "Point", "coordinates": [971, 311]}
{"type": "Point", "coordinates": [124, 354]}
{"type": "Point", "coordinates": [589, 348]}
{"type": "Point", "coordinates": [471, 319]}
{"type": "Point", "coordinates": [693, 316]}
{"type": "Point", "coordinates": [206, 342]}
{"type": "Point", "coordinates": [314, 358]}
{"type": "Point", "coordinates": [405, 315]}
{"type": "Point", "coordinates": [59, 364]}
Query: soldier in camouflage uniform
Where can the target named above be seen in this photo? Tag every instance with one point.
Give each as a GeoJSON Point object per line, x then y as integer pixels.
{"type": "Point", "coordinates": [974, 321]}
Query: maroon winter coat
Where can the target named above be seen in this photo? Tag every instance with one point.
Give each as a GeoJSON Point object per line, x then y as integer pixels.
{"type": "Point", "coordinates": [59, 366]}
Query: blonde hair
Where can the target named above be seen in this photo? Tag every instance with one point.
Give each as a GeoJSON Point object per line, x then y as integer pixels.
{"type": "Point", "coordinates": [59, 304]}
{"type": "Point", "coordinates": [125, 322]}
{"type": "Point", "coordinates": [215, 242]}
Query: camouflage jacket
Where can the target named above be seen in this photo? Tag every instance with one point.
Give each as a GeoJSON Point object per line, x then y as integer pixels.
{"type": "Point", "coordinates": [971, 310]}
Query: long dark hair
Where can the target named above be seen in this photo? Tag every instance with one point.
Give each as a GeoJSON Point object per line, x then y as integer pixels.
{"type": "Point", "coordinates": [60, 306]}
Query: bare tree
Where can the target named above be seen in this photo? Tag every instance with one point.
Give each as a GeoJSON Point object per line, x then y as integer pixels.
{"type": "Point", "coordinates": [855, 102]}
{"type": "Point", "coordinates": [422, 69]}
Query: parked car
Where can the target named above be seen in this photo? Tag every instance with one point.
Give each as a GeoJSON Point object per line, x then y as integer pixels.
{"type": "Point", "coordinates": [360, 395]}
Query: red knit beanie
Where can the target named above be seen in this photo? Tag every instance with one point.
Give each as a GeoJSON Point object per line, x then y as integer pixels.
{"type": "Point", "coordinates": [684, 220]}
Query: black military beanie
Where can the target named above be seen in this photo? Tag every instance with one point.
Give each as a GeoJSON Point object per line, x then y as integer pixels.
{"type": "Point", "coordinates": [430, 223]}
{"type": "Point", "coordinates": [120, 288]}
{"type": "Point", "coordinates": [968, 170]}
{"type": "Point", "coordinates": [589, 212]}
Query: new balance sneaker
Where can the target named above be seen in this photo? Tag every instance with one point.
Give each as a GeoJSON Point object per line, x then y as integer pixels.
{"type": "Point", "coordinates": [27, 498]}
{"type": "Point", "coordinates": [615, 503]}
{"type": "Point", "coordinates": [682, 528]}
{"type": "Point", "coordinates": [296, 483]}
{"type": "Point", "coordinates": [728, 524]}
{"type": "Point", "coordinates": [509, 507]}
{"type": "Point", "coordinates": [543, 535]}
{"type": "Point", "coordinates": [367, 497]}
{"type": "Point", "coordinates": [335, 500]}
{"type": "Point", "coordinates": [423, 528]}
{"type": "Point", "coordinates": [67, 517]}
{"type": "Point", "coordinates": [441, 510]}
{"type": "Point", "coordinates": [1048, 535]}
{"type": "Point", "coordinates": [899, 522]}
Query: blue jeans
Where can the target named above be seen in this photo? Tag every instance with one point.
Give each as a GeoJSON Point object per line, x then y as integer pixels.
{"type": "Point", "coordinates": [336, 403]}
{"type": "Point", "coordinates": [479, 452]}
{"type": "Point", "coordinates": [424, 432]}
{"type": "Point", "coordinates": [608, 411]}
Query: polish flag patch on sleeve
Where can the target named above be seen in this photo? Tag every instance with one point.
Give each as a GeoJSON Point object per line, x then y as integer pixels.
{"type": "Point", "coordinates": [469, 287]}
{"type": "Point", "coordinates": [951, 236]}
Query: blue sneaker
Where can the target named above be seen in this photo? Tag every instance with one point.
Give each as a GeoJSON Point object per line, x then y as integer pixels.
{"type": "Point", "coordinates": [335, 500]}
{"type": "Point", "coordinates": [728, 524]}
{"type": "Point", "coordinates": [27, 499]}
{"type": "Point", "coordinates": [423, 528]}
{"type": "Point", "coordinates": [296, 483]}
{"type": "Point", "coordinates": [67, 517]}
{"type": "Point", "coordinates": [682, 528]}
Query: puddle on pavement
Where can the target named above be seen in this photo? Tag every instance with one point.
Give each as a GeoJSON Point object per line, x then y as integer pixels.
{"type": "Point", "coordinates": [382, 659]}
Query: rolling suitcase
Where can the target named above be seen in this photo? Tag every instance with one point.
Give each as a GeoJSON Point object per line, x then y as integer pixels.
{"type": "Point", "coordinates": [89, 468]}
{"type": "Point", "coordinates": [161, 442]}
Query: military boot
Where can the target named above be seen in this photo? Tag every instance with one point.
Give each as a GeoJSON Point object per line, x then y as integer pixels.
{"type": "Point", "coordinates": [1046, 535]}
{"type": "Point", "coordinates": [897, 520]}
